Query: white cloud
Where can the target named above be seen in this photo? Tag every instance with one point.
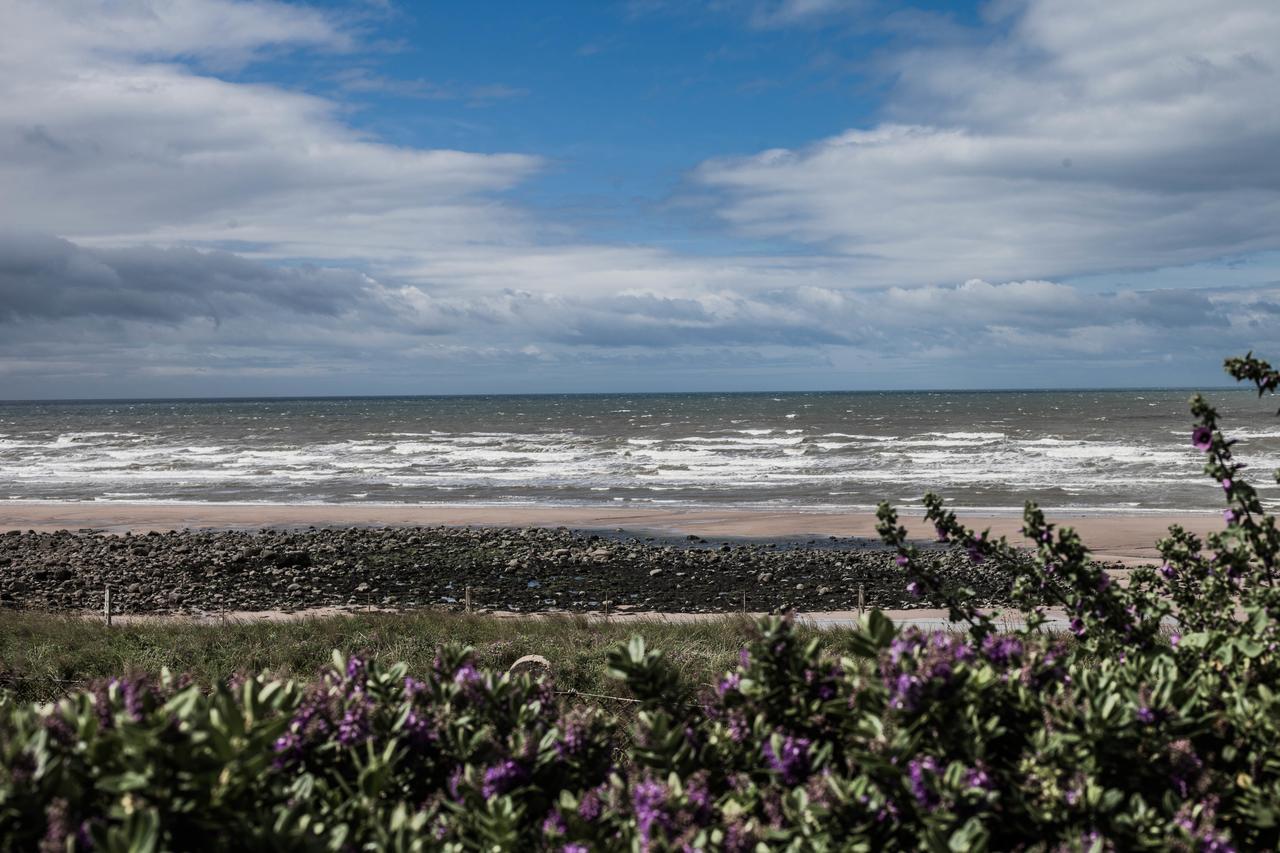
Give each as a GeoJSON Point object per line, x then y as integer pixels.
{"type": "Point", "coordinates": [106, 138]}
{"type": "Point", "coordinates": [1095, 136]}
{"type": "Point", "coordinates": [773, 14]}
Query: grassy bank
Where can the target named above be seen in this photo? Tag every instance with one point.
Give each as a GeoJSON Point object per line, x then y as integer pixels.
{"type": "Point", "coordinates": [43, 655]}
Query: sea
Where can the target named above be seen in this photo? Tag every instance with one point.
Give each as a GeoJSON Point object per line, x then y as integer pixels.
{"type": "Point", "coordinates": [1105, 451]}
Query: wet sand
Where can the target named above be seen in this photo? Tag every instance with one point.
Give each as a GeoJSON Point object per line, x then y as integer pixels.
{"type": "Point", "coordinates": [1124, 538]}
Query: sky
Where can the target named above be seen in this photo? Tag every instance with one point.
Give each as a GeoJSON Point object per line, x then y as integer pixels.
{"type": "Point", "coordinates": [260, 198]}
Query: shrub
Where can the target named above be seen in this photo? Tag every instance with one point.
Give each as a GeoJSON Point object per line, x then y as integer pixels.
{"type": "Point", "coordinates": [1151, 724]}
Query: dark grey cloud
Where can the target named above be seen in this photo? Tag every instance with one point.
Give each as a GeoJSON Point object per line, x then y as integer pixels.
{"type": "Point", "coordinates": [43, 277]}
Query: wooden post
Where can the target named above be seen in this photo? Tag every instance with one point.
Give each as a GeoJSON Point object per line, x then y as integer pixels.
{"type": "Point", "coordinates": [106, 605]}
{"type": "Point", "coordinates": [861, 600]}
{"type": "Point", "coordinates": [468, 599]}
{"type": "Point", "coordinates": [744, 602]}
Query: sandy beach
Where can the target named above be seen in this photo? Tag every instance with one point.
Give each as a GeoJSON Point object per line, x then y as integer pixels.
{"type": "Point", "coordinates": [1124, 538]}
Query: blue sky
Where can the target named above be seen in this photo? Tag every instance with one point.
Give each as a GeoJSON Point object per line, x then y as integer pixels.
{"type": "Point", "coordinates": [250, 197]}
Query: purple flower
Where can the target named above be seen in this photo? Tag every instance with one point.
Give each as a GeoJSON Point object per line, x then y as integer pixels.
{"type": "Point", "coordinates": [1202, 438]}
{"type": "Point", "coordinates": [354, 727]}
{"type": "Point", "coordinates": [1174, 639]}
{"type": "Point", "coordinates": [906, 644]}
{"type": "Point", "coordinates": [904, 692]}
{"type": "Point", "coordinates": [902, 560]}
{"type": "Point", "coordinates": [976, 777]}
{"type": "Point", "coordinates": [728, 683]}
{"type": "Point", "coordinates": [573, 739]}
{"type": "Point", "coordinates": [554, 824]}
{"type": "Point", "coordinates": [744, 658]}
{"type": "Point", "coordinates": [739, 727]}
{"type": "Point", "coordinates": [1077, 627]}
{"type": "Point", "coordinates": [916, 769]}
{"type": "Point", "coordinates": [649, 799]}
{"type": "Point", "coordinates": [575, 848]}
{"type": "Point", "coordinates": [1168, 571]}
{"type": "Point", "coordinates": [1001, 650]}
{"type": "Point", "coordinates": [419, 729]}
{"type": "Point", "coordinates": [791, 760]}
{"type": "Point", "coordinates": [698, 794]}
{"type": "Point", "coordinates": [501, 778]}
{"type": "Point", "coordinates": [1230, 516]}
{"type": "Point", "coordinates": [1104, 581]}
{"type": "Point", "coordinates": [466, 674]}
{"type": "Point", "coordinates": [57, 825]}
{"type": "Point", "coordinates": [1227, 484]}
{"type": "Point", "coordinates": [590, 807]}
{"type": "Point", "coordinates": [913, 589]}
{"type": "Point", "coordinates": [355, 668]}
{"type": "Point", "coordinates": [941, 532]}
{"type": "Point", "coordinates": [1145, 715]}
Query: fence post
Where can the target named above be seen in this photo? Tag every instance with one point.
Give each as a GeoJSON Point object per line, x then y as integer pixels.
{"type": "Point", "coordinates": [861, 600]}
{"type": "Point", "coordinates": [468, 599]}
{"type": "Point", "coordinates": [106, 605]}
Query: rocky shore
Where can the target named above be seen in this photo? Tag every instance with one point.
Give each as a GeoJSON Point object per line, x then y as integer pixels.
{"type": "Point", "coordinates": [522, 570]}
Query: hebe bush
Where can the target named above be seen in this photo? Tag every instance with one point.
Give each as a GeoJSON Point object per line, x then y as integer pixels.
{"type": "Point", "coordinates": [1152, 724]}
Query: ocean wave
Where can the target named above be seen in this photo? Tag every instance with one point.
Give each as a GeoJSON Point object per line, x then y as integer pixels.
{"type": "Point", "coordinates": [683, 448]}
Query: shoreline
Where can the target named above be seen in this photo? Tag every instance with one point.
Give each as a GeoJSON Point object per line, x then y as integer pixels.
{"type": "Point", "coordinates": [1121, 537]}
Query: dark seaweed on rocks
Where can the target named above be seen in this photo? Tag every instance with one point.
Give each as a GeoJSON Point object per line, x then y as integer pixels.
{"type": "Point", "coordinates": [524, 570]}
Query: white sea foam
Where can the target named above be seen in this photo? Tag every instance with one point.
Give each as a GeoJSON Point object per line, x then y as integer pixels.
{"type": "Point", "coordinates": [683, 453]}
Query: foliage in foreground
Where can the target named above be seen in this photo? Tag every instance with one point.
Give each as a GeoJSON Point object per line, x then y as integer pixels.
{"type": "Point", "coordinates": [1126, 738]}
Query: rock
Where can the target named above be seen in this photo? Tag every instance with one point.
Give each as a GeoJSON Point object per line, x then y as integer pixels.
{"type": "Point", "coordinates": [654, 573]}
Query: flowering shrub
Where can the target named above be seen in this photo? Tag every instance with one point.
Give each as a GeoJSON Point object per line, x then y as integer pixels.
{"type": "Point", "coordinates": [1152, 724]}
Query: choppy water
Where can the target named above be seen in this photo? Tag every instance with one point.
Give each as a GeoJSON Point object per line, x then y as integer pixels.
{"type": "Point", "coordinates": [1125, 450]}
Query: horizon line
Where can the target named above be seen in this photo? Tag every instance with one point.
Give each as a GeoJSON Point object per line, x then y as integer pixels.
{"type": "Point", "coordinates": [317, 397]}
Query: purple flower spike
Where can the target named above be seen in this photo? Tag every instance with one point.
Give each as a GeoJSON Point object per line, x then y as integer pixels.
{"type": "Point", "coordinates": [1202, 438]}
{"type": "Point", "coordinates": [1230, 516]}
{"type": "Point", "coordinates": [791, 761]}
{"type": "Point", "coordinates": [977, 778]}
{"type": "Point", "coordinates": [502, 777]}
{"type": "Point", "coordinates": [1227, 484]}
{"type": "Point", "coordinates": [916, 769]}
{"type": "Point", "coordinates": [902, 560]}
{"type": "Point", "coordinates": [554, 824]}
{"type": "Point", "coordinates": [649, 799]}
{"type": "Point", "coordinates": [355, 668]}
{"type": "Point", "coordinates": [590, 807]}
{"type": "Point", "coordinates": [913, 589]}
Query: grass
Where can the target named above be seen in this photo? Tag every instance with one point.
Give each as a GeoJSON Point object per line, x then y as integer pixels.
{"type": "Point", "coordinates": [42, 656]}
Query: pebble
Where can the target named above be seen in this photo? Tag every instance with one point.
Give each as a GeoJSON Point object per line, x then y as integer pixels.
{"type": "Point", "coordinates": [538, 569]}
